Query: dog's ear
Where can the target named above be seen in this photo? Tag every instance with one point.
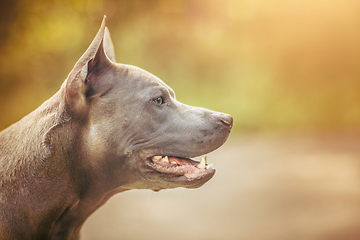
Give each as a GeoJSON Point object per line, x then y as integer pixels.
{"type": "Point", "coordinates": [108, 46]}
{"type": "Point", "coordinates": [83, 82]}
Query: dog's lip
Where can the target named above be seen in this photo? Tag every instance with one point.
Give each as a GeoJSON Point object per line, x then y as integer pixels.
{"type": "Point", "coordinates": [180, 167]}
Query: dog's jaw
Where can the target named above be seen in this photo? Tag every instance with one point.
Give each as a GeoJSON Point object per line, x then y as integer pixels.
{"type": "Point", "coordinates": [167, 171]}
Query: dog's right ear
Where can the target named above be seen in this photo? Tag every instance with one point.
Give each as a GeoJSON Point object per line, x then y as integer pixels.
{"type": "Point", "coordinates": [99, 55]}
{"type": "Point", "coordinates": [108, 46]}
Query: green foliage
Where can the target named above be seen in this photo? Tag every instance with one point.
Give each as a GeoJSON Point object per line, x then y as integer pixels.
{"type": "Point", "coordinates": [278, 65]}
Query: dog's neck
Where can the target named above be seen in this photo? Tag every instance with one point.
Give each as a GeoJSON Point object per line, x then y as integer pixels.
{"type": "Point", "coordinates": [53, 154]}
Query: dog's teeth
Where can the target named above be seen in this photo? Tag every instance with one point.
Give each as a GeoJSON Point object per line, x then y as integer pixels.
{"type": "Point", "coordinates": [157, 158]}
{"type": "Point", "coordinates": [209, 166]}
{"type": "Point", "coordinates": [202, 163]}
{"type": "Point", "coordinates": [206, 160]}
{"type": "Point", "coordinates": [165, 159]}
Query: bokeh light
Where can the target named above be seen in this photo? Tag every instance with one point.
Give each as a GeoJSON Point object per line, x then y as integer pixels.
{"type": "Point", "coordinates": [281, 66]}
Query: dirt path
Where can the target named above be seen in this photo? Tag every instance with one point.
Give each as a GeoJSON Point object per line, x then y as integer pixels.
{"type": "Point", "coordinates": [265, 188]}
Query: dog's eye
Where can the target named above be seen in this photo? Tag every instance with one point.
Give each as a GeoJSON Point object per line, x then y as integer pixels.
{"type": "Point", "coordinates": [159, 101]}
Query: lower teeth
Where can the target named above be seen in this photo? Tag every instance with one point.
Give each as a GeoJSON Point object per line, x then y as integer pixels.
{"type": "Point", "coordinates": [209, 166]}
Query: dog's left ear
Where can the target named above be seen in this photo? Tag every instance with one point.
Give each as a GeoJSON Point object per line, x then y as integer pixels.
{"type": "Point", "coordinates": [83, 82]}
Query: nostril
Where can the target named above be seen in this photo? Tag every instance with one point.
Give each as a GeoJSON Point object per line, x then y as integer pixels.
{"type": "Point", "coordinates": [228, 121]}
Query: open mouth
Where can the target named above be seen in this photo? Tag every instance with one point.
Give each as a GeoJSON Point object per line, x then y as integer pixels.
{"type": "Point", "coordinates": [178, 166]}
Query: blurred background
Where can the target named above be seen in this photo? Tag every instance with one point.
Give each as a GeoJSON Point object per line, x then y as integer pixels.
{"type": "Point", "coordinates": [287, 71]}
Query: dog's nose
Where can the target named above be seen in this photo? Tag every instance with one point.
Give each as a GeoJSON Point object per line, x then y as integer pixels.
{"type": "Point", "coordinates": [227, 120]}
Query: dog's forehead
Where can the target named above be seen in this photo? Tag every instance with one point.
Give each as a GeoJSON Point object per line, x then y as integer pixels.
{"type": "Point", "coordinates": [142, 77]}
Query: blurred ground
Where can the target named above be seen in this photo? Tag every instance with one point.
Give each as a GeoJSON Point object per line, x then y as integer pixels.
{"type": "Point", "coordinates": [266, 188]}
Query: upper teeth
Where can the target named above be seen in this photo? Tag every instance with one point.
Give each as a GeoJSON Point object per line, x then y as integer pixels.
{"type": "Point", "coordinates": [165, 159]}
{"type": "Point", "coordinates": [202, 165]}
{"type": "Point", "coordinates": [157, 157]}
{"type": "Point", "coordinates": [203, 162]}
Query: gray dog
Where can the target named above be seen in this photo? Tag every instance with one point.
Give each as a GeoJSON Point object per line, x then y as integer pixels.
{"type": "Point", "coordinates": [110, 128]}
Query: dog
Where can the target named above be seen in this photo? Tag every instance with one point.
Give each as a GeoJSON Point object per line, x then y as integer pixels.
{"type": "Point", "coordinates": [110, 128]}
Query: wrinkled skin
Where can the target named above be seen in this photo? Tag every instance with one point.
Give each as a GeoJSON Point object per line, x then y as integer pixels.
{"type": "Point", "coordinates": [94, 138]}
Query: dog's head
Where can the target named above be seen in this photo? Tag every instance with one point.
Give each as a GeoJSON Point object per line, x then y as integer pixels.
{"type": "Point", "coordinates": [135, 133]}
